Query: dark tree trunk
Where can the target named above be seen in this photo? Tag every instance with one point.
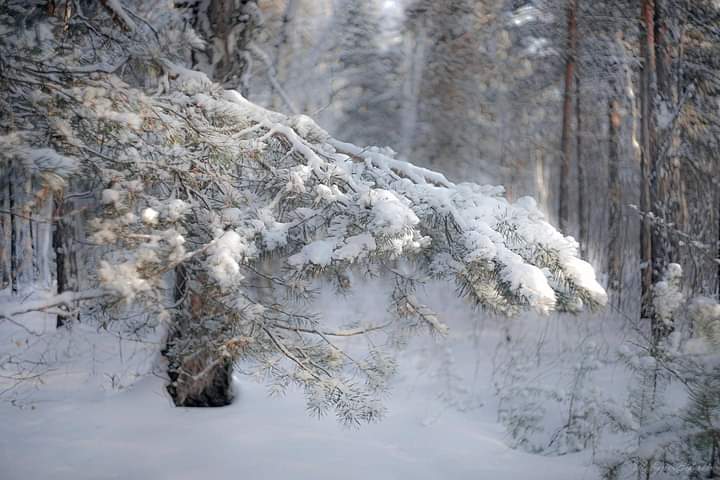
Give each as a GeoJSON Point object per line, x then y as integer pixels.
{"type": "Point", "coordinates": [13, 231]}
{"type": "Point", "coordinates": [666, 16]}
{"type": "Point", "coordinates": [654, 238]}
{"type": "Point", "coordinates": [660, 171]}
{"type": "Point", "coordinates": [648, 151]}
{"type": "Point", "coordinates": [229, 30]}
{"type": "Point", "coordinates": [565, 139]}
{"type": "Point", "coordinates": [669, 187]}
{"type": "Point", "coordinates": [4, 230]}
{"type": "Point", "coordinates": [583, 221]}
{"type": "Point", "coordinates": [60, 247]}
{"type": "Point", "coordinates": [198, 380]}
{"type": "Point", "coordinates": [26, 269]}
{"type": "Point", "coordinates": [615, 193]}
{"type": "Point", "coordinates": [199, 375]}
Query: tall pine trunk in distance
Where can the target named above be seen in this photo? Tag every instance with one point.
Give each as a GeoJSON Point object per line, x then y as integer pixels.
{"type": "Point", "coordinates": [26, 267]}
{"type": "Point", "coordinates": [4, 230]}
{"type": "Point", "coordinates": [583, 220]}
{"type": "Point", "coordinates": [12, 205]}
{"type": "Point", "coordinates": [43, 206]}
{"type": "Point", "coordinates": [669, 188]}
{"type": "Point", "coordinates": [615, 219]}
{"type": "Point", "coordinates": [229, 27]}
{"type": "Point", "coordinates": [648, 142]}
{"type": "Point", "coordinates": [60, 245]}
{"type": "Point", "coordinates": [660, 173]}
{"type": "Point", "coordinates": [565, 139]}
{"type": "Point", "coordinates": [655, 242]}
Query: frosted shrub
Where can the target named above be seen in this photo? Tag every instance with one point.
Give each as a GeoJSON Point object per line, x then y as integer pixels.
{"type": "Point", "coordinates": [658, 440]}
{"type": "Point", "coordinates": [585, 406]}
{"type": "Point", "coordinates": [546, 408]}
{"type": "Point", "coordinates": [522, 400]}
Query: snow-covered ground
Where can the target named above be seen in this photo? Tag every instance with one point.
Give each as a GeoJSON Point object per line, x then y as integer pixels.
{"type": "Point", "coordinates": [138, 434]}
{"type": "Point", "coordinates": [92, 420]}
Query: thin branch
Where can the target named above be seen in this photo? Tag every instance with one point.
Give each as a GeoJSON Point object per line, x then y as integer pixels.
{"type": "Point", "coordinates": [287, 353]}
{"type": "Point", "coordinates": [335, 333]}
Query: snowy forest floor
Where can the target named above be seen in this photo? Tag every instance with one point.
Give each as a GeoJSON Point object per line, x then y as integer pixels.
{"type": "Point", "coordinates": [99, 415]}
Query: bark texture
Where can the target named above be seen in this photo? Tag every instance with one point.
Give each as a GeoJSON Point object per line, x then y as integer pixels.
{"type": "Point", "coordinates": [648, 142]}
{"type": "Point", "coordinates": [583, 220]}
{"type": "Point", "coordinates": [566, 137]}
{"type": "Point", "coordinates": [615, 194]}
{"type": "Point", "coordinates": [200, 375]}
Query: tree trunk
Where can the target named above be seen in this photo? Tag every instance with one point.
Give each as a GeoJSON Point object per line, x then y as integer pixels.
{"type": "Point", "coordinates": [229, 26]}
{"type": "Point", "coordinates": [654, 238]}
{"type": "Point", "coordinates": [43, 237]}
{"type": "Point", "coordinates": [60, 246]}
{"type": "Point", "coordinates": [13, 230]}
{"type": "Point", "coordinates": [26, 268]}
{"type": "Point", "coordinates": [648, 151]}
{"type": "Point", "coordinates": [669, 188]}
{"type": "Point", "coordinates": [199, 375]}
{"type": "Point", "coordinates": [615, 193]}
{"type": "Point", "coordinates": [661, 204]}
{"type": "Point", "coordinates": [4, 230]}
{"type": "Point", "coordinates": [665, 41]}
{"type": "Point", "coordinates": [565, 140]}
{"type": "Point", "coordinates": [583, 221]}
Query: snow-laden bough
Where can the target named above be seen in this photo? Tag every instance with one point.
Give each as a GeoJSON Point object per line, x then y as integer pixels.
{"type": "Point", "coordinates": [222, 217]}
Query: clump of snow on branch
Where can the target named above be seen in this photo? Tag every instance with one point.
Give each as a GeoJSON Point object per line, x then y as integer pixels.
{"type": "Point", "coordinates": [704, 313]}
{"type": "Point", "coordinates": [667, 294]}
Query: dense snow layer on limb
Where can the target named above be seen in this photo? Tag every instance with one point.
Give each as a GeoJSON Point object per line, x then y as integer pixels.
{"type": "Point", "coordinates": [409, 193]}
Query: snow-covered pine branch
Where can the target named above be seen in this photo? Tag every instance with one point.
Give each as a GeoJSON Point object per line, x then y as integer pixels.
{"type": "Point", "coordinates": [195, 180]}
